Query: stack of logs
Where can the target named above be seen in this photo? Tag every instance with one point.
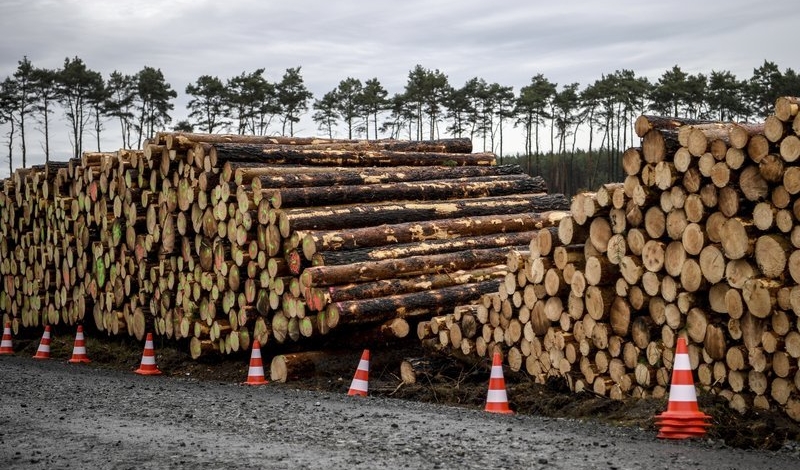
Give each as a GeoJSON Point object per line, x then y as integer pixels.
{"type": "Point", "coordinates": [217, 240]}
{"type": "Point", "coordinates": [701, 240]}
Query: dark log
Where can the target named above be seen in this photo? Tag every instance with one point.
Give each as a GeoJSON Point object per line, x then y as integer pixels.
{"type": "Point", "coordinates": [388, 269]}
{"type": "Point", "coordinates": [283, 176]}
{"type": "Point", "coordinates": [318, 298]}
{"type": "Point", "coordinates": [645, 123]}
{"type": "Point", "coordinates": [186, 140]}
{"type": "Point", "coordinates": [365, 215]}
{"type": "Point", "coordinates": [221, 153]}
{"type": "Point", "coordinates": [415, 304]}
{"type": "Point", "coordinates": [330, 258]}
{"type": "Point", "coordinates": [318, 241]}
{"type": "Point", "coordinates": [461, 188]}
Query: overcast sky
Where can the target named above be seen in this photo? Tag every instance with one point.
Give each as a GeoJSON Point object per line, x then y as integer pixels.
{"type": "Point", "coordinates": [506, 41]}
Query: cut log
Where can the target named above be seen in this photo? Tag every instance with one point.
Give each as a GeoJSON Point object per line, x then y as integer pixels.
{"type": "Point", "coordinates": [296, 366]}
{"type": "Point", "coordinates": [475, 187]}
{"type": "Point", "coordinates": [405, 267]}
{"type": "Point", "coordinates": [367, 215]}
{"type": "Point", "coordinates": [280, 176]}
{"type": "Point", "coordinates": [224, 152]}
{"type": "Point", "coordinates": [406, 305]}
{"type": "Point", "coordinates": [331, 258]}
{"type": "Point", "coordinates": [320, 297]}
{"type": "Point", "coordinates": [373, 236]}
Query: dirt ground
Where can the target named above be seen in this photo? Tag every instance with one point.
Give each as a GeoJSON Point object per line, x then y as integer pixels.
{"type": "Point", "coordinates": [452, 383]}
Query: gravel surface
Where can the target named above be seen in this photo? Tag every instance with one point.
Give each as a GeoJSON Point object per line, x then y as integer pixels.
{"type": "Point", "coordinates": [58, 415]}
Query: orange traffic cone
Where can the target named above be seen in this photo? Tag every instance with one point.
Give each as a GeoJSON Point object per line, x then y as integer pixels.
{"type": "Point", "coordinates": [148, 365]}
{"type": "Point", "coordinates": [255, 376]}
{"type": "Point", "coordinates": [360, 383]}
{"type": "Point", "coordinates": [683, 419]}
{"type": "Point", "coordinates": [6, 345]}
{"type": "Point", "coordinates": [44, 345]}
{"type": "Point", "coordinates": [79, 349]}
{"type": "Point", "coordinates": [496, 399]}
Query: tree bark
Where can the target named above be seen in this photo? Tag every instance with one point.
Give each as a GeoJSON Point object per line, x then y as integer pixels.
{"type": "Point", "coordinates": [405, 267]}
{"type": "Point", "coordinates": [225, 152]}
{"type": "Point", "coordinates": [402, 233]}
{"type": "Point", "coordinates": [475, 187]}
{"type": "Point", "coordinates": [373, 214]}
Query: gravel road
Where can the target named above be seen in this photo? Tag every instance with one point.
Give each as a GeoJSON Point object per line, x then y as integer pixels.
{"type": "Point", "coordinates": [58, 415]}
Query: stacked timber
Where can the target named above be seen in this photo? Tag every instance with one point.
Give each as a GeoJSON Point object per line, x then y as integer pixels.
{"type": "Point", "coordinates": [217, 240]}
{"type": "Point", "coordinates": [701, 240]}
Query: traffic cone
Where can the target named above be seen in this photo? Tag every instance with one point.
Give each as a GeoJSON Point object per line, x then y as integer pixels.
{"type": "Point", "coordinates": [496, 399]}
{"type": "Point", "coordinates": [79, 349]}
{"type": "Point", "coordinates": [6, 345]}
{"type": "Point", "coordinates": [360, 383]}
{"type": "Point", "coordinates": [148, 365]}
{"type": "Point", "coordinates": [683, 419]}
{"type": "Point", "coordinates": [255, 376]}
{"type": "Point", "coordinates": [44, 345]}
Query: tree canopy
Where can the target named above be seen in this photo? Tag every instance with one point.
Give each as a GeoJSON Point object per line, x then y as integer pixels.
{"type": "Point", "coordinates": [547, 116]}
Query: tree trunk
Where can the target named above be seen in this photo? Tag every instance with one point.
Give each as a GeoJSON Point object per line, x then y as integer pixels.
{"type": "Point", "coordinates": [405, 267]}
{"type": "Point", "coordinates": [373, 214]}
{"type": "Point", "coordinates": [402, 233]}
{"type": "Point", "coordinates": [476, 187]}
{"type": "Point", "coordinates": [225, 152]}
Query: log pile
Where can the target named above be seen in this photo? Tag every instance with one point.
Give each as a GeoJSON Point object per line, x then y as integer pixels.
{"type": "Point", "coordinates": [216, 240]}
{"type": "Point", "coordinates": [701, 240]}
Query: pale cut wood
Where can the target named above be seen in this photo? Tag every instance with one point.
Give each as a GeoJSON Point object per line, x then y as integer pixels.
{"type": "Point", "coordinates": [729, 201]}
{"type": "Point", "coordinates": [774, 128]}
{"type": "Point", "coordinates": [635, 240]}
{"type": "Point", "coordinates": [764, 215]}
{"type": "Point", "coordinates": [771, 168]}
{"type": "Point", "coordinates": [694, 206]}
{"type": "Point", "coordinates": [716, 297]}
{"type": "Point", "coordinates": [790, 148]}
{"type": "Point", "coordinates": [760, 296]}
{"type": "Point", "coordinates": [772, 253]}
{"type": "Point", "coordinates": [786, 107]}
{"type": "Point", "coordinates": [752, 184]}
{"type": "Point", "coordinates": [737, 272]}
{"type": "Point", "coordinates": [653, 255]}
{"type": "Point", "coordinates": [696, 324]}
{"type": "Point", "coordinates": [599, 234]}
{"type": "Point", "coordinates": [692, 277]}
{"type": "Point", "coordinates": [757, 147]}
{"type": "Point", "coordinates": [736, 241]}
{"type": "Point", "coordinates": [791, 180]}
{"type": "Point", "coordinates": [655, 222]}
{"type": "Point", "coordinates": [712, 263]}
{"type": "Point", "coordinates": [714, 225]}
{"type": "Point", "coordinates": [674, 257]}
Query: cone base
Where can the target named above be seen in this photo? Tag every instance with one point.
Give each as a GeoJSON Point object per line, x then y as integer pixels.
{"type": "Point", "coordinates": [84, 360]}
{"type": "Point", "coordinates": [255, 382]}
{"type": "Point", "coordinates": [357, 393]}
{"type": "Point", "coordinates": [4, 352]}
{"type": "Point", "coordinates": [504, 411]}
{"type": "Point", "coordinates": [680, 435]}
{"type": "Point", "coordinates": [147, 371]}
{"type": "Point", "coordinates": [40, 356]}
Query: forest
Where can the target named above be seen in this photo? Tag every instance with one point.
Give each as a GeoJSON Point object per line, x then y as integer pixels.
{"type": "Point", "coordinates": [550, 116]}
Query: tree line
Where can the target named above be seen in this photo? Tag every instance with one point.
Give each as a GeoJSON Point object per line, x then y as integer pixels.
{"type": "Point", "coordinates": [549, 116]}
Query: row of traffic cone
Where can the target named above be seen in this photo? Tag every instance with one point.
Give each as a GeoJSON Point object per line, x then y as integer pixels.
{"type": "Point", "coordinates": [682, 420]}
{"type": "Point", "coordinates": [43, 351]}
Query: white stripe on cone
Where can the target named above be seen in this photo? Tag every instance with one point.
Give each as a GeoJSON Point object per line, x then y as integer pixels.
{"type": "Point", "coordinates": [682, 362]}
{"type": "Point", "coordinates": [682, 393]}
{"type": "Point", "coordinates": [496, 396]}
{"type": "Point", "coordinates": [360, 385]}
